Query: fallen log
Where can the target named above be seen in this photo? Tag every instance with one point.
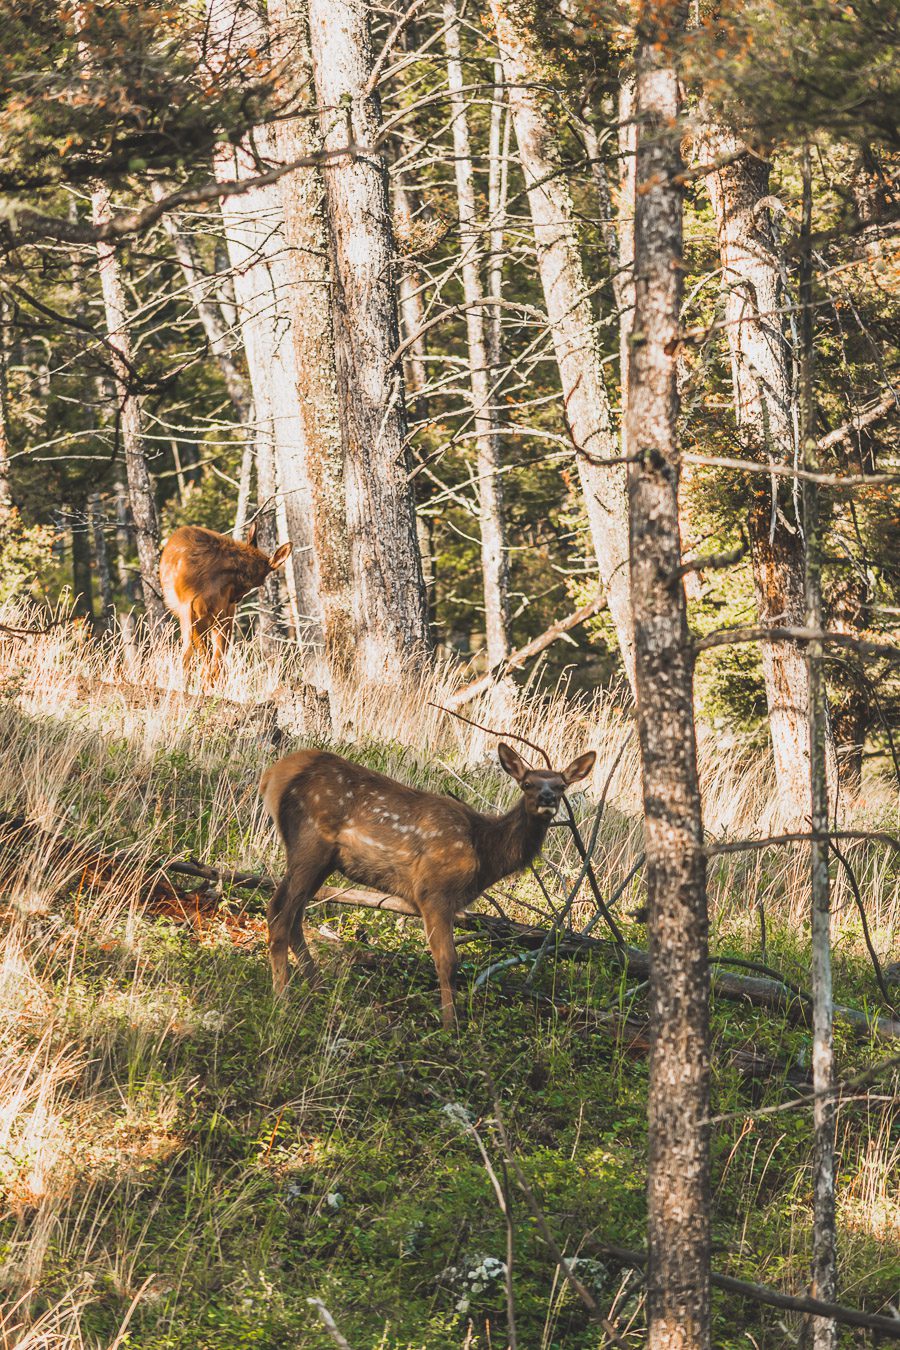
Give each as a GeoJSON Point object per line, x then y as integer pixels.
{"type": "Point", "coordinates": [760, 1293]}
{"type": "Point", "coordinates": [759, 990]}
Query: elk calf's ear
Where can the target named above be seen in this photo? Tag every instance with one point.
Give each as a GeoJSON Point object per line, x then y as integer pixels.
{"type": "Point", "coordinates": [580, 767]}
{"type": "Point", "coordinates": [279, 556]}
{"type": "Point", "coordinates": [251, 534]}
{"type": "Point", "coordinates": [511, 762]}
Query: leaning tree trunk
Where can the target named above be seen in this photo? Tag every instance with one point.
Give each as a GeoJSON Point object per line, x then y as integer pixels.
{"type": "Point", "coordinates": [200, 290]}
{"type": "Point", "coordinates": [140, 485]}
{"type": "Point", "coordinates": [494, 555]}
{"type": "Point", "coordinates": [568, 305]}
{"type": "Point", "coordinates": [310, 293]}
{"type": "Point", "coordinates": [261, 265]}
{"type": "Point", "coordinates": [678, 1109]}
{"type": "Point", "coordinates": [761, 366]}
{"type": "Point", "coordinates": [390, 609]}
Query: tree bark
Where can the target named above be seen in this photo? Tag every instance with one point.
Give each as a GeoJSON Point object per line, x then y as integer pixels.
{"type": "Point", "coordinates": [261, 266]}
{"type": "Point", "coordinates": [761, 366]}
{"type": "Point", "coordinates": [310, 293]}
{"type": "Point", "coordinates": [388, 590]}
{"type": "Point", "coordinates": [494, 554]}
{"type": "Point", "coordinates": [82, 582]}
{"type": "Point", "coordinates": [559, 262]}
{"type": "Point", "coordinates": [140, 484]}
{"type": "Point", "coordinates": [678, 1108]}
{"type": "Point", "coordinates": [6, 498]}
{"type": "Point", "coordinates": [97, 517]}
{"type": "Point", "coordinates": [824, 1272]}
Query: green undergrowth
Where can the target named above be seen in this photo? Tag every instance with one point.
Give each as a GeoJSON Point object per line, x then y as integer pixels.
{"type": "Point", "coordinates": [209, 1160]}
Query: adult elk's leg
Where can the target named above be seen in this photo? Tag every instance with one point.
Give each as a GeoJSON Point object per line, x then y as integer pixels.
{"type": "Point", "coordinates": [438, 921]}
{"type": "Point", "coordinates": [284, 915]}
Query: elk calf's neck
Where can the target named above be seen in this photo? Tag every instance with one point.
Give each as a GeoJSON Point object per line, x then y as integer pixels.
{"type": "Point", "coordinates": [435, 852]}
{"type": "Point", "coordinates": [204, 577]}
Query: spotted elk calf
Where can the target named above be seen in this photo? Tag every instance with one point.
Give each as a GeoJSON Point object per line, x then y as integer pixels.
{"type": "Point", "coordinates": [204, 577]}
{"type": "Point", "coordinates": [435, 852]}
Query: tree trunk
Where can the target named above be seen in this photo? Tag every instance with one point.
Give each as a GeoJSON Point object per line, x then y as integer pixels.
{"type": "Point", "coordinates": [269, 605]}
{"type": "Point", "coordinates": [198, 286]}
{"type": "Point", "coordinates": [313, 334]}
{"type": "Point", "coordinates": [761, 367]}
{"type": "Point", "coordinates": [261, 265]}
{"type": "Point", "coordinates": [498, 194]}
{"type": "Point", "coordinates": [388, 591]}
{"type": "Point", "coordinates": [824, 1271]}
{"type": "Point", "coordinates": [412, 308]}
{"type": "Point", "coordinates": [585, 398]}
{"type": "Point", "coordinates": [82, 582]}
{"type": "Point", "coordinates": [6, 499]}
{"type": "Point", "coordinates": [140, 485]}
{"type": "Point", "coordinates": [678, 1108]}
{"type": "Point", "coordinates": [101, 562]}
{"type": "Point", "coordinates": [494, 555]}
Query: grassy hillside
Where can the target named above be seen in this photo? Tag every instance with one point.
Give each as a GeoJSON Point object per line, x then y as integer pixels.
{"type": "Point", "coordinates": [185, 1164]}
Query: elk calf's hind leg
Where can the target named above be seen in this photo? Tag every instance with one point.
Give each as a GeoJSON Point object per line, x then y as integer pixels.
{"type": "Point", "coordinates": [285, 914]}
{"type": "Point", "coordinates": [439, 930]}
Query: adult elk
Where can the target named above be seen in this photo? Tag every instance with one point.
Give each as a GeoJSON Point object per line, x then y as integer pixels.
{"type": "Point", "coordinates": [204, 577]}
{"type": "Point", "coordinates": [435, 852]}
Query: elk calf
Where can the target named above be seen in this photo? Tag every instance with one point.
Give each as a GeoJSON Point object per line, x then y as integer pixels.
{"type": "Point", "coordinates": [434, 852]}
{"type": "Point", "coordinates": [204, 577]}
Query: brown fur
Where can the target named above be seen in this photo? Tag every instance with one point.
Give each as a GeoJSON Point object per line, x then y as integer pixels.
{"type": "Point", "coordinates": [204, 577]}
{"type": "Point", "coordinates": [435, 852]}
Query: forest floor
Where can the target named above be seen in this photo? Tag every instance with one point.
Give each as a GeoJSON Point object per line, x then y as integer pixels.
{"type": "Point", "coordinates": [185, 1163]}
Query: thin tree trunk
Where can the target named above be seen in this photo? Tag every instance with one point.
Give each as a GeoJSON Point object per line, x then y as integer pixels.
{"type": "Point", "coordinates": [6, 498]}
{"type": "Point", "coordinates": [261, 266]}
{"type": "Point", "coordinates": [101, 561]}
{"type": "Point", "coordinates": [197, 284]}
{"type": "Point", "coordinates": [140, 484]}
{"type": "Point", "coordinates": [313, 334]}
{"type": "Point", "coordinates": [494, 555]}
{"type": "Point", "coordinates": [498, 193]}
{"type": "Point", "coordinates": [412, 309]}
{"type": "Point", "coordinates": [559, 262]}
{"type": "Point", "coordinates": [245, 485]}
{"type": "Point", "coordinates": [269, 609]}
{"type": "Point", "coordinates": [678, 1108]}
{"type": "Point", "coordinates": [761, 367]}
{"type": "Point", "coordinates": [388, 591]}
{"type": "Point", "coordinates": [824, 1272]}
{"type": "Point", "coordinates": [82, 582]}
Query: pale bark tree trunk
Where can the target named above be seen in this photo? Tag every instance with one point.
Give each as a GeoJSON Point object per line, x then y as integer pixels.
{"type": "Point", "coordinates": [498, 193]}
{"type": "Point", "coordinates": [388, 590]}
{"type": "Point", "coordinates": [198, 284]}
{"type": "Point", "coordinates": [678, 1108]}
{"type": "Point", "coordinates": [269, 526]}
{"type": "Point", "coordinates": [494, 555]}
{"type": "Point", "coordinates": [824, 1271]}
{"type": "Point", "coordinates": [559, 262]}
{"type": "Point", "coordinates": [411, 304]}
{"type": "Point", "coordinates": [101, 561]}
{"type": "Point", "coordinates": [412, 319]}
{"type": "Point", "coordinates": [303, 195]}
{"type": "Point", "coordinates": [261, 266]}
{"type": "Point", "coordinates": [140, 484]}
{"type": "Point", "coordinates": [761, 365]}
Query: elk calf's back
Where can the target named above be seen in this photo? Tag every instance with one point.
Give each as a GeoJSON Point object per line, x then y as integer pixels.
{"type": "Point", "coordinates": [435, 852]}
{"type": "Point", "coordinates": [204, 576]}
